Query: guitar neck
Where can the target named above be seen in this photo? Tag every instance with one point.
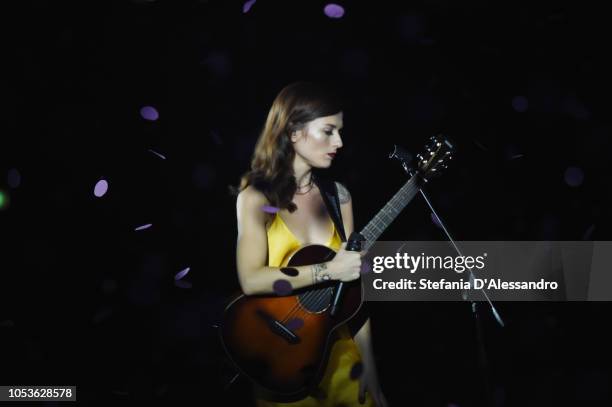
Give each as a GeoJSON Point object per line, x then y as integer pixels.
{"type": "Point", "coordinates": [389, 212]}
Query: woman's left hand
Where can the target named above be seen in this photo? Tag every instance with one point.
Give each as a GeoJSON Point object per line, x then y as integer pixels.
{"type": "Point", "coordinates": [368, 382]}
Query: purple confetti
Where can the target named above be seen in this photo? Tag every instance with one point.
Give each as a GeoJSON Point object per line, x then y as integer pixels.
{"type": "Point", "coordinates": [436, 220]}
{"type": "Point", "coordinates": [100, 188]}
{"type": "Point", "coordinates": [182, 284]}
{"type": "Point", "coordinates": [574, 176]}
{"type": "Point", "coordinates": [282, 287]}
{"type": "Point", "coordinates": [294, 324]}
{"type": "Point", "coordinates": [356, 370]}
{"type": "Point", "coordinates": [13, 178]}
{"type": "Point", "coordinates": [247, 6]}
{"type": "Point", "coordinates": [269, 209]}
{"type": "Point", "coordinates": [143, 227]}
{"type": "Point", "coordinates": [520, 103]}
{"type": "Point", "coordinates": [149, 113]}
{"type": "Point", "coordinates": [365, 268]}
{"type": "Point", "coordinates": [158, 154]}
{"type": "Point", "coordinates": [182, 273]}
{"type": "Point", "coordinates": [333, 10]}
{"type": "Point", "coordinates": [289, 271]}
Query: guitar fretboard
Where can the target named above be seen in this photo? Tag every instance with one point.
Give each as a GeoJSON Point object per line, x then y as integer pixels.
{"type": "Point", "coordinates": [389, 212]}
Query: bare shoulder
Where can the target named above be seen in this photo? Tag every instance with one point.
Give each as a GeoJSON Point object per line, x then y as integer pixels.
{"type": "Point", "coordinates": [251, 196]}
{"type": "Point", "coordinates": [251, 202]}
{"type": "Point", "coordinates": [343, 193]}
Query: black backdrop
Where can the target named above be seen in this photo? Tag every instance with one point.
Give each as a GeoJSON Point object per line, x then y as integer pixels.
{"type": "Point", "coordinates": [85, 299]}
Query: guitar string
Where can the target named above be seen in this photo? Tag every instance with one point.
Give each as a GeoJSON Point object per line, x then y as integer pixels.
{"type": "Point", "coordinates": [319, 296]}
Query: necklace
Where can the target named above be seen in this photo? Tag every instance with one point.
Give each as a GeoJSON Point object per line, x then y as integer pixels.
{"type": "Point", "coordinates": [310, 184]}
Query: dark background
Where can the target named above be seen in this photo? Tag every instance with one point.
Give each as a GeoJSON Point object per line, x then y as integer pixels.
{"type": "Point", "coordinates": [522, 88]}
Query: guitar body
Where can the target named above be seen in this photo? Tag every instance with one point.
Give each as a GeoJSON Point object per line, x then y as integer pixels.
{"type": "Point", "coordinates": [282, 343]}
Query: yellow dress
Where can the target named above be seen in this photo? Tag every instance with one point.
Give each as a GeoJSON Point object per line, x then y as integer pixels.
{"type": "Point", "coordinates": [336, 387]}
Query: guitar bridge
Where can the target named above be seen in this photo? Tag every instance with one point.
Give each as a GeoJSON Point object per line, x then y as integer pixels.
{"type": "Point", "coordinates": [278, 328]}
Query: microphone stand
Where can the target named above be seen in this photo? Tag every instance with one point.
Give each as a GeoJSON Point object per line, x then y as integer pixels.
{"type": "Point", "coordinates": [482, 356]}
{"type": "Point", "coordinates": [404, 157]}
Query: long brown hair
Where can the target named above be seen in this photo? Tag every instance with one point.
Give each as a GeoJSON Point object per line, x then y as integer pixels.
{"type": "Point", "coordinates": [272, 162]}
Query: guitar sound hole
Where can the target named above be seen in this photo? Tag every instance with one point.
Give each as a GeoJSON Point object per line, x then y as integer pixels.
{"type": "Point", "coordinates": [317, 300]}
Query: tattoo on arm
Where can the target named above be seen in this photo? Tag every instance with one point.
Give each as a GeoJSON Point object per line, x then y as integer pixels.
{"type": "Point", "coordinates": [343, 194]}
{"type": "Point", "coordinates": [319, 273]}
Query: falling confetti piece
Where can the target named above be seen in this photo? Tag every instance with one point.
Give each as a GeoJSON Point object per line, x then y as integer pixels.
{"type": "Point", "coordinates": [247, 6]}
{"type": "Point", "coordinates": [149, 113]}
{"type": "Point", "coordinates": [182, 273]}
{"type": "Point", "coordinates": [13, 178]}
{"type": "Point", "coordinates": [282, 287]}
{"type": "Point", "coordinates": [294, 324]}
{"type": "Point", "coordinates": [269, 209]}
{"type": "Point", "coordinates": [356, 370]}
{"type": "Point", "coordinates": [517, 156]}
{"type": "Point", "coordinates": [182, 284]}
{"type": "Point", "coordinates": [365, 268]}
{"type": "Point", "coordinates": [290, 271]}
{"type": "Point", "coordinates": [333, 10]}
{"type": "Point", "coordinates": [101, 188]}
{"type": "Point", "coordinates": [143, 227]}
{"type": "Point", "coordinates": [436, 220]}
{"type": "Point", "coordinates": [158, 154]}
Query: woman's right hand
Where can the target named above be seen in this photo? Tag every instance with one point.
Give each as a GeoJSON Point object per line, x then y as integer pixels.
{"type": "Point", "coordinates": [346, 265]}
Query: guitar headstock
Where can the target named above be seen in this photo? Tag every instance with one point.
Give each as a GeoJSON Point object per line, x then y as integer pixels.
{"type": "Point", "coordinates": [438, 152]}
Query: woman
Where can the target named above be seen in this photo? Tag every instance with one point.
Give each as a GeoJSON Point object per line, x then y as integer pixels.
{"type": "Point", "coordinates": [280, 208]}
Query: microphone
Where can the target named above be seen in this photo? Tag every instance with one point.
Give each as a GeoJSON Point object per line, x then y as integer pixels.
{"type": "Point", "coordinates": [353, 244]}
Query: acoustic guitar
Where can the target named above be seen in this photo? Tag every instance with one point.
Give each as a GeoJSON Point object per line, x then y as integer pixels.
{"type": "Point", "coordinates": [282, 342]}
